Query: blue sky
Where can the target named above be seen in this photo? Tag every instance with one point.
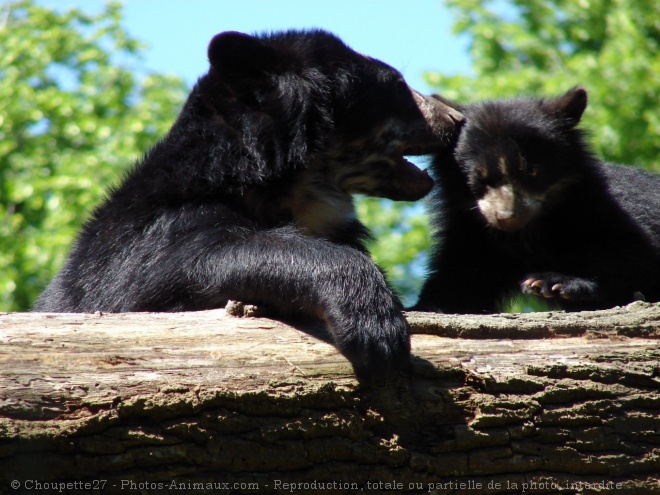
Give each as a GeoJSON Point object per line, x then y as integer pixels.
{"type": "Point", "coordinates": [413, 36]}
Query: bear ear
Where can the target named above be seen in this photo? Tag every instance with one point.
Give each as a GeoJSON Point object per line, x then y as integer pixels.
{"type": "Point", "coordinates": [237, 53]}
{"type": "Point", "coordinates": [568, 107]}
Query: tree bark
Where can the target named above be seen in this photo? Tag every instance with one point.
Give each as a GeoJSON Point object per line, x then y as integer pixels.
{"type": "Point", "coordinates": [209, 403]}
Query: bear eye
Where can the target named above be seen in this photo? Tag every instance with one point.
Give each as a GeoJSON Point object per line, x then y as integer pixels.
{"type": "Point", "coordinates": [484, 177]}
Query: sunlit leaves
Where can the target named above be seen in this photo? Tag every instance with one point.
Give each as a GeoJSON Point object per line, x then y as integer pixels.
{"type": "Point", "coordinates": [400, 241]}
{"type": "Point", "coordinates": [76, 112]}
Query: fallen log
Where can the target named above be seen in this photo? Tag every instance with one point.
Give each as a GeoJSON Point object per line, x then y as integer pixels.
{"type": "Point", "coordinates": [208, 403]}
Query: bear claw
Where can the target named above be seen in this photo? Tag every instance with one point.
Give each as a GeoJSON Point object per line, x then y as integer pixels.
{"type": "Point", "coordinates": [557, 288]}
{"type": "Point", "coordinates": [538, 288]}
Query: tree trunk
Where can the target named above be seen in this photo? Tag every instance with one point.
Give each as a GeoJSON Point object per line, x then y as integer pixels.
{"type": "Point", "coordinates": [208, 403]}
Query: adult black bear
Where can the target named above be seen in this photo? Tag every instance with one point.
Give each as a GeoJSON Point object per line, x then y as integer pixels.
{"type": "Point", "coordinates": [526, 206]}
{"type": "Point", "coordinates": [248, 197]}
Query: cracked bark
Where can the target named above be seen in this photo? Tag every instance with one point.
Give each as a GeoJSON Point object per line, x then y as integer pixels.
{"type": "Point", "coordinates": [528, 403]}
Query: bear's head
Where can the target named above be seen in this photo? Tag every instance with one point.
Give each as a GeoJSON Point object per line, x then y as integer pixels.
{"type": "Point", "coordinates": [303, 99]}
{"type": "Point", "coordinates": [519, 155]}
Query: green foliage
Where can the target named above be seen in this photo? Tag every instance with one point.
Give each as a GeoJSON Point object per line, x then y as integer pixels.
{"type": "Point", "coordinates": [400, 241]}
{"type": "Point", "coordinates": [74, 115]}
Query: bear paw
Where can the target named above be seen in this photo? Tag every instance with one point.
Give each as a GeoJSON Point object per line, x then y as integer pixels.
{"type": "Point", "coordinates": [556, 286]}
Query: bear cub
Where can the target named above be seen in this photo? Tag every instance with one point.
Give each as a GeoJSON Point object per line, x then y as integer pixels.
{"type": "Point", "coordinates": [248, 196]}
{"type": "Point", "coordinates": [523, 205]}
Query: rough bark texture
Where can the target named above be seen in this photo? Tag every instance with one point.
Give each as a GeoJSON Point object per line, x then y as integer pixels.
{"type": "Point", "coordinates": [207, 403]}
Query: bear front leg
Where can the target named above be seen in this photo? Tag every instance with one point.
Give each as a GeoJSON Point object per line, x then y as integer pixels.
{"type": "Point", "coordinates": [295, 274]}
{"type": "Point", "coordinates": [551, 285]}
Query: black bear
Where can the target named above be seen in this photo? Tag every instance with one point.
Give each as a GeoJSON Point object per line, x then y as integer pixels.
{"type": "Point", "coordinates": [523, 204]}
{"type": "Point", "coordinates": [248, 196]}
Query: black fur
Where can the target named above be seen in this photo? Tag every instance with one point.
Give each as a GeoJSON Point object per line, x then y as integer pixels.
{"type": "Point", "coordinates": [248, 197]}
{"type": "Point", "coordinates": [522, 204]}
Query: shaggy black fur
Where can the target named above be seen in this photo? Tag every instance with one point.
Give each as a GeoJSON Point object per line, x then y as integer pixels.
{"type": "Point", "coordinates": [248, 197]}
{"type": "Point", "coordinates": [522, 204]}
